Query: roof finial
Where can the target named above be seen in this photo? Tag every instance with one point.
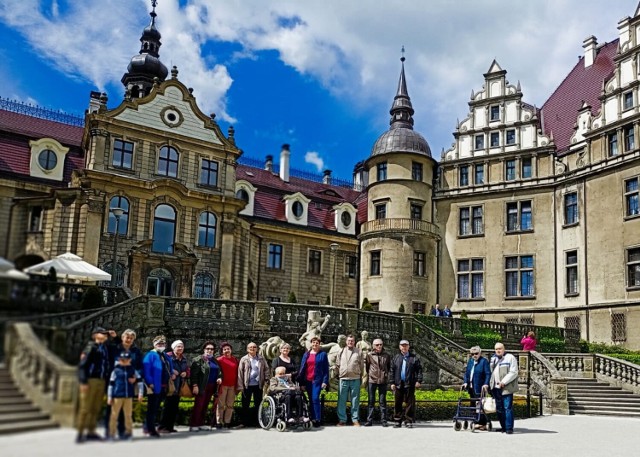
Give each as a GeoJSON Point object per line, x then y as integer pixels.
{"type": "Point", "coordinates": [402, 59]}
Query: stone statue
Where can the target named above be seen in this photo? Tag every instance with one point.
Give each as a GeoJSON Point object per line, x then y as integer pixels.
{"type": "Point", "coordinates": [364, 347]}
{"type": "Point", "coordinates": [315, 326]}
{"type": "Point", "coordinates": [270, 349]}
{"type": "Point", "coordinates": [332, 356]}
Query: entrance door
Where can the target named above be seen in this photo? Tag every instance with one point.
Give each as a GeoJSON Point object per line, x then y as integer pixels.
{"type": "Point", "coordinates": [160, 283]}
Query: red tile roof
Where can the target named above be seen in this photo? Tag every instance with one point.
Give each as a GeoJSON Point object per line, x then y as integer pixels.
{"type": "Point", "coordinates": [16, 130]}
{"type": "Point", "coordinates": [560, 111]}
{"type": "Point", "coordinates": [269, 203]}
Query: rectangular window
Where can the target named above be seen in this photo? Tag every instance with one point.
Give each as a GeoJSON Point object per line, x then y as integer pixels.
{"type": "Point", "coordinates": [375, 305]}
{"type": "Point", "coordinates": [519, 216]}
{"type": "Point", "coordinates": [382, 171]}
{"type": "Point", "coordinates": [374, 269]}
{"type": "Point", "coordinates": [274, 257]}
{"type": "Point", "coordinates": [471, 220]}
{"type": "Point", "coordinates": [315, 262]}
{"type": "Point", "coordinates": [629, 138]}
{"type": "Point", "coordinates": [633, 267]}
{"type": "Point", "coordinates": [572, 323]}
{"type": "Point", "coordinates": [526, 168]}
{"type": "Point", "coordinates": [209, 173]}
{"type": "Point", "coordinates": [122, 154]}
{"type": "Point", "coordinates": [612, 140]}
{"type": "Point", "coordinates": [618, 327]}
{"type": "Point", "coordinates": [631, 197]}
{"type": "Point", "coordinates": [519, 272]}
{"type": "Point", "coordinates": [571, 208]}
{"type": "Point", "coordinates": [495, 139]}
{"type": "Point", "coordinates": [470, 278]}
{"type": "Point", "coordinates": [477, 224]}
{"type": "Point", "coordinates": [571, 269]}
{"type": "Point", "coordinates": [35, 219]}
{"type": "Point", "coordinates": [419, 264]}
{"type": "Point", "coordinates": [479, 142]}
{"type": "Point", "coordinates": [511, 136]}
{"type": "Point", "coordinates": [479, 174]}
{"type": "Point", "coordinates": [381, 211]}
{"type": "Point", "coordinates": [416, 171]}
{"type": "Point", "coordinates": [418, 308]}
{"type": "Point", "coordinates": [465, 227]}
{"type": "Point", "coordinates": [494, 113]}
{"type": "Point", "coordinates": [416, 211]}
{"type": "Point", "coordinates": [464, 175]}
{"type": "Point", "coordinates": [272, 299]}
{"type": "Point", "coordinates": [350, 266]}
{"type": "Point", "coordinates": [510, 170]}
{"type": "Point", "coordinates": [627, 100]}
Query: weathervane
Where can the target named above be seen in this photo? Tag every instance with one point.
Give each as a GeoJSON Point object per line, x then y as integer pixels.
{"type": "Point", "coordinates": [154, 3]}
{"type": "Point", "coordinates": [402, 58]}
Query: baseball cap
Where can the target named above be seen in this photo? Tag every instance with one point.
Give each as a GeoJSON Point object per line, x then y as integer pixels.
{"type": "Point", "coordinates": [403, 342]}
{"type": "Point", "coordinates": [99, 330]}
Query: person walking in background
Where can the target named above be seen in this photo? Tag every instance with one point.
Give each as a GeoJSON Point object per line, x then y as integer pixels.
{"type": "Point", "coordinates": [120, 394]}
{"type": "Point", "coordinates": [405, 377]}
{"type": "Point", "coordinates": [206, 376]}
{"type": "Point", "coordinates": [313, 377]}
{"type": "Point", "coordinates": [504, 383]}
{"type": "Point", "coordinates": [378, 365]}
{"type": "Point", "coordinates": [253, 373]}
{"type": "Point", "coordinates": [172, 402]}
{"type": "Point", "coordinates": [476, 378]}
{"type": "Point", "coordinates": [158, 371]}
{"type": "Point", "coordinates": [227, 389]}
{"type": "Point", "coordinates": [350, 368]}
{"type": "Point", "coordinates": [93, 371]}
{"type": "Point", "coordinates": [446, 312]}
{"type": "Point", "coordinates": [529, 342]}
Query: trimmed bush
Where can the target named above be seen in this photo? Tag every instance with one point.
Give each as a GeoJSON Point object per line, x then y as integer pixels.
{"type": "Point", "coordinates": [486, 339]}
{"type": "Point", "coordinates": [292, 298]}
{"type": "Point", "coordinates": [366, 306]}
{"type": "Point", "coordinates": [551, 345]}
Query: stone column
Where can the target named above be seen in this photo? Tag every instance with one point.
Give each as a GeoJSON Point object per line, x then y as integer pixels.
{"type": "Point", "coordinates": [93, 229]}
{"type": "Point", "coordinates": [226, 260]}
{"type": "Point", "coordinates": [558, 402]}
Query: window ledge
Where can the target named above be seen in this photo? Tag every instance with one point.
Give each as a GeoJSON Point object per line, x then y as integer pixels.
{"type": "Point", "coordinates": [129, 171]}
{"type": "Point", "coordinates": [518, 232]}
{"type": "Point", "coordinates": [272, 269]}
{"type": "Point", "coordinates": [479, 299]}
{"type": "Point", "coordinates": [633, 288]}
{"type": "Point", "coordinates": [208, 187]}
{"type": "Point", "coordinates": [631, 217]}
{"type": "Point", "coordinates": [473, 235]}
{"type": "Point", "coordinates": [573, 224]}
{"type": "Point", "coordinates": [528, 297]}
{"type": "Point", "coordinates": [573, 294]}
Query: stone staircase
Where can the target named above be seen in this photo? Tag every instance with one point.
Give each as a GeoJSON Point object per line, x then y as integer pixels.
{"type": "Point", "coordinates": [17, 414]}
{"type": "Point", "coordinates": [593, 397]}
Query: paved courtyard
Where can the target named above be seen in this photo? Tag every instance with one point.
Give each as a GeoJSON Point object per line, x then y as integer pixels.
{"type": "Point", "coordinates": [550, 435]}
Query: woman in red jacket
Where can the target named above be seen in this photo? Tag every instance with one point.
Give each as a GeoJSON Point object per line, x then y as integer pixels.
{"type": "Point", "coordinates": [227, 393]}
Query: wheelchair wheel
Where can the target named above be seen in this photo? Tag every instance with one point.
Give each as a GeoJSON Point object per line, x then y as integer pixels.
{"type": "Point", "coordinates": [267, 413]}
{"type": "Point", "coordinates": [465, 425]}
{"type": "Point", "coordinates": [457, 426]}
{"type": "Point", "coordinates": [281, 426]}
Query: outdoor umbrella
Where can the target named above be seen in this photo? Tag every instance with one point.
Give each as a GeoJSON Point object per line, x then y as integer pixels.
{"type": "Point", "coordinates": [7, 270]}
{"type": "Point", "coordinates": [70, 266]}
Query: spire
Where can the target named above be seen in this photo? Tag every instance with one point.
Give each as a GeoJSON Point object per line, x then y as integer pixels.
{"type": "Point", "coordinates": [401, 110]}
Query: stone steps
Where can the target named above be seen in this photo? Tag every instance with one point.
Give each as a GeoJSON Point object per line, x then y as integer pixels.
{"type": "Point", "coordinates": [593, 397]}
{"type": "Point", "coordinates": [17, 414]}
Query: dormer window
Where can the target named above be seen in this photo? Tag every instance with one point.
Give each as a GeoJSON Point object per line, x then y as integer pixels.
{"type": "Point", "coordinates": [47, 159]}
{"type": "Point", "coordinates": [246, 192]}
{"type": "Point", "coordinates": [345, 219]}
{"type": "Point", "coordinates": [296, 208]}
{"type": "Point", "coordinates": [345, 214]}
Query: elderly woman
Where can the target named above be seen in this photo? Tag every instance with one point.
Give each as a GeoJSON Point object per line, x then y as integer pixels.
{"type": "Point", "coordinates": [172, 402]}
{"type": "Point", "coordinates": [227, 390]}
{"type": "Point", "coordinates": [205, 378]}
{"type": "Point", "coordinates": [529, 342]}
{"type": "Point", "coordinates": [313, 377]}
{"type": "Point", "coordinates": [476, 378]}
{"type": "Point", "coordinates": [283, 360]}
{"type": "Point", "coordinates": [158, 371]}
{"type": "Point", "coordinates": [253, 374]}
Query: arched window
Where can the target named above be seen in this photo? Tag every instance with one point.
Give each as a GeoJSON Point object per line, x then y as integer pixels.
{"type": "Point", "coordinates": [122, 203]}
{"type": "Point", "coordinates": [207, 230]}
{"type": "Point", "coordinates": [168, 162]}
{"type": "Point", "coordinates": [243, 195]}
{"type": "Point", "coordinates": [164, 229]}
{"type": "Point", "coordinates": [204, 286]}
{"type": "Point", "coordinates": [160, 282]}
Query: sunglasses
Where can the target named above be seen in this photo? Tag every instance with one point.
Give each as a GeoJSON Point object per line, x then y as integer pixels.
{"type": "Point", "coordinates": [475, 353]}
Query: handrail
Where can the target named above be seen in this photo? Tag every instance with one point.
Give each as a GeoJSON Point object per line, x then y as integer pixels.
{"type": "Point", "coordinates": [623, 373]}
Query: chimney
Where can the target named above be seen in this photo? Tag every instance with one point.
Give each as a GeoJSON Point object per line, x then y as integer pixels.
{"type": "Point", "coordinates": [589, 45]}
{"type": "Point", "coordinates": [284, 163]}
{"type": "Point", "coordinates": [268, 163]}
{"type": "Point", "coordinates": [94, 101]}
{"type": "Point", "coordinates": [326, 177]}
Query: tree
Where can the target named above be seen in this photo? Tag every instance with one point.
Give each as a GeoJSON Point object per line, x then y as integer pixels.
{"type": "Point", "coordinates": [401, 308]}
{"type": "Point", "coordinates": [366, 306]}
{"type": "Point", "coordinates": [463, 315]}
{"type": "Point", "coordinates": [292, 298]}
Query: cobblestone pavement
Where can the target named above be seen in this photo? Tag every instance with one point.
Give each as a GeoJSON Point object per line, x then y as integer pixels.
{"type": "Point", "coordinates": [558, 436]}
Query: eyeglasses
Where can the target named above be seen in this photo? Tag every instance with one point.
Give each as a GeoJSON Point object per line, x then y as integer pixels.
{"type": "Point", "coordinates": [475, 353]}
{"type": "Point", "coordinates": [209, 349]}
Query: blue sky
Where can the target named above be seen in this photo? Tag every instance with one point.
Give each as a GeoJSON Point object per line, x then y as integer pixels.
{"type": "Point", "coordinates": [319, 75]}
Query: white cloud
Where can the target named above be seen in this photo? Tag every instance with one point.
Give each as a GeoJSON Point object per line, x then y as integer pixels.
{"type": "Point", "coordinates": [314, 158]}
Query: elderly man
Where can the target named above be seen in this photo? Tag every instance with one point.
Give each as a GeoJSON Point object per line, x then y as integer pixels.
{"type": "Point", "coordinates": [504, 382]}
{"type": "Point", "coordinates": [476, 378]}
{"type": "Point", "coordinates": [253, 373]}
{"type": "Point", "coordinates": [405, 377]}
{"type": "Point", "coordinates": [378, 364]}
{"type": "Point", "coordinates": [350, 366]}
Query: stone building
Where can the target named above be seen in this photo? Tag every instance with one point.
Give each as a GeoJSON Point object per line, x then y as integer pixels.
{"type": "Point", "coordinates": [532, 216]}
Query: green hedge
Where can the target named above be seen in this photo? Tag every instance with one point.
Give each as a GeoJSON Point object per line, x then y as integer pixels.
{"type": "Point", "coordinates": [633, 358]}
{"type": "Point", "coordinates": [551, 345]}
{"type": "Point", "coordinates": [485, 339]}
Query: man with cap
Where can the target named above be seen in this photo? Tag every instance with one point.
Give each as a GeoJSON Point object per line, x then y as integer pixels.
{"type": "Point", "coordinates": [405, 377]}
{"type": "Point", "coordinates": [120, 394]}
{"type": "Point", "coordinates": [93, 371]}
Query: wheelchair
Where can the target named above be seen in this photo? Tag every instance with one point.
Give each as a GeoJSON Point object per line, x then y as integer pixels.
{"type": "Point", "coordinates": [273, 411]}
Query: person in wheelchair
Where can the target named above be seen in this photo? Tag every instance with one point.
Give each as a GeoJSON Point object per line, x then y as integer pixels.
{"type": "Point", "coordinates": [280, 387]}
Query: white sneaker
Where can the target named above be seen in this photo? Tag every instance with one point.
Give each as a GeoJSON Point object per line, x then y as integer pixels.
{"type": "Point", "coordinates": [194, 429]}
{"type": "Point", "coordinates": [205, 427]}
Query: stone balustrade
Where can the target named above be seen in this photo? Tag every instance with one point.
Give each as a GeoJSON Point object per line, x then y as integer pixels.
{"type": "Point", "coordinates": [618, 372]}
{"type": "Point", "coordinates": [44, 378]}
{"type": "Point", "coordinates": [400, 225]}
{"type": "Point", "coordinates": [545, 378]}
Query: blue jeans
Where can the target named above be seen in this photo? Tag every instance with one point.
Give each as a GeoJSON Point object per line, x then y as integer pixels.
{"type": "Point", "coordinates": [504, 409]}
{"type": "Point", "coordinates": [313, 390]}
{"type": "Point", "coordinates": [349, 388]}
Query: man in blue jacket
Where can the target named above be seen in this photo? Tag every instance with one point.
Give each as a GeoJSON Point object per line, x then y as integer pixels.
{"type": "Point", "coordinates": [476, 379]}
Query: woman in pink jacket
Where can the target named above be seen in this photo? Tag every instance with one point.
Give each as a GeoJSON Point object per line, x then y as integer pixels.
{"type": "Point", "coordinates": [529, 342]}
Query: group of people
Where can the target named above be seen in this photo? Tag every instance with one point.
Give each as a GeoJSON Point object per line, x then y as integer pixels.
{"type": "Point", "coordinates": [437, 311]}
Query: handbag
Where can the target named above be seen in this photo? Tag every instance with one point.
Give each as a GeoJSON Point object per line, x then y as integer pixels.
{"type": "Point", "coordinates": [171, 387]}
{"type": "Point", "coordinates": [489, 404]}
{"type": "Point", "coordinates": [185, 390]}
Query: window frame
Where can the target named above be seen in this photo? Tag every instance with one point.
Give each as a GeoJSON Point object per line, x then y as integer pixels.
{"type": "Point", "coordinates": [517, 228]}
{"type": "Point", "coordinates": [419, 264]}
{"type": "Point", "coordinates": [415, 209]}
{"type": "Point", "coordinates": [627, 100]}
{"type": "Point", "coordinates": [510, 170]}
{"type": "Point", "coordinates": [468, 276]}
{"type": "Point", "coordinates": [123, 226]}
{"type": "Point", "coordinates": [478, 142]}
{"type": "Point", "coordinates": [167, 161]}
{"type": "Point", "coordinates": [351, 266]}
{"type": "Point", "coordinates": [375, 263]}
{"type": "Point", "coordinates": [123, 151]}
{"type": "Point", "coordinates": [628, 134]}
{"type": "Point", "coordinates": [631, 198]}
{"type": "Point", "coordinates": [632, 267]}
{"type": "Point", "coordinates": [417, 171]}
{"type": "Point", "coordinates": [494, 113]}
{"type": "Point", "coordinates": [381, 171]}
{"type": "Point", "coordinates": [471, 218]}
{"type": "Point", "coordinates": [526, 164]}
{"type": "Point", "coordinates": [314, 262]}
{"type": "Point", "coordinates": [380, 210]}
{"type": "Point", "coordinates": [572, 274]}
{"type": "Point", "coordinates": [612, 144]}
{"type": "Point", "coordinates": [210, 231]}
{"type": "Point", "coordinates": [275, 256]}
{"type": "Point", "coordinates": [494, 140]}
{"type": "Point", "coordinates": [519, 271]}
{"type": "Point", "coordinates": [463, 176]}
{"type": "Point", "coordinates": [208, 169]}
{"type": "Point", "coordinates": [174, 222]}
{"type": "Point", "coordinates": [510, 137]}
{"type": "Point", "coordinates": [567, 206]}
{"type": "Point", "coordinates": [479, 167]}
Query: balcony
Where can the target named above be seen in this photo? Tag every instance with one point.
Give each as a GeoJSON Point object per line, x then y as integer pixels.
{"type": "Point", "coordinates": [415, 226]}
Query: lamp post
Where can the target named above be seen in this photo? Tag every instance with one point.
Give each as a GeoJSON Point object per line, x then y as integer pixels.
{"type": "Point", "coordinates": [334, 251]}
{"type": "Point", "coordinates": [117, 213]}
